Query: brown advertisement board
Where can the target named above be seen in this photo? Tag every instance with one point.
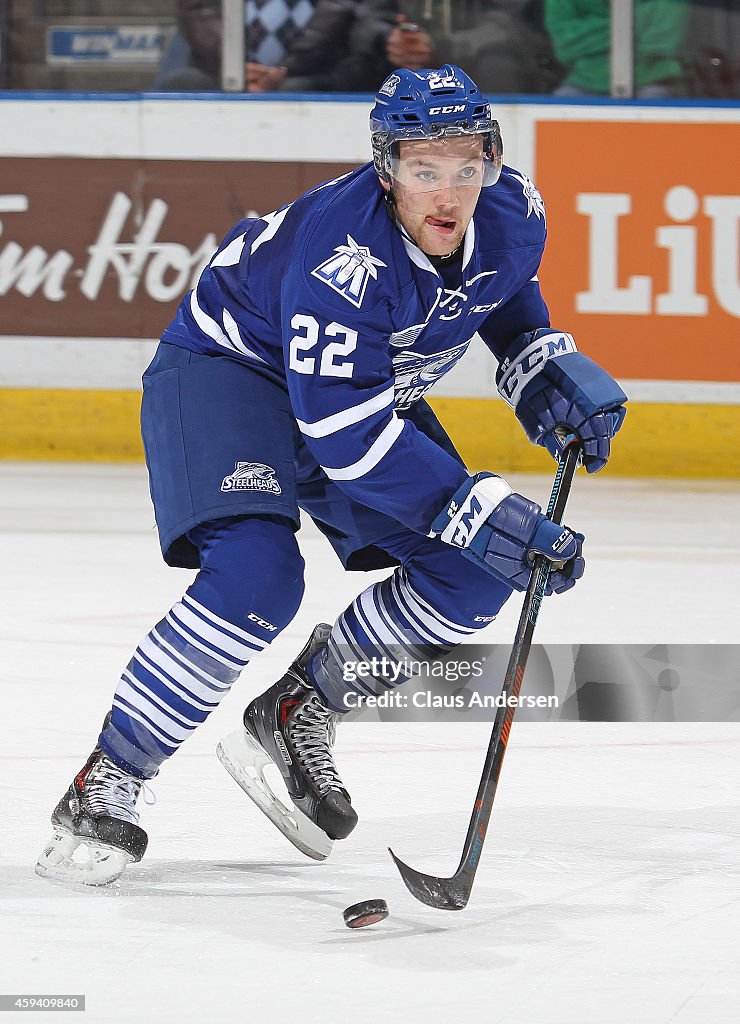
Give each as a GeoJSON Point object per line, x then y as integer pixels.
{"type": "Point", "coordinates": [106, 248]}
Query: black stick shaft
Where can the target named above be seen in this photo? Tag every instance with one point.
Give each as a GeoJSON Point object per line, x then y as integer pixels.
{"type": "Point", "coordinates": [453, 893]}
{"type": "Point", "coordinates": [515, 672]}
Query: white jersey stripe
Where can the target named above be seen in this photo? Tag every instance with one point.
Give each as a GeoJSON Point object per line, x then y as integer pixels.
{"type": "Point", "coordinates": [230, 256]}
{"type": "Point", "coordinates": [273, 220]}
{"type": "Point", "coordinates": [377, 450]}
{"type": "Point", "coordinates": [206, 323]}
{"type": "Point", "coordinates": [214, 330]}
{"type": "Point", "coordinates": [234, 334]}
{"type": "Point", "coordinates": [345, 418]}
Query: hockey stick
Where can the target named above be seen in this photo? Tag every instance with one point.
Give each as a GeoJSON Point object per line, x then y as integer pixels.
{"type": "Point", "coordinates": [453, 893]}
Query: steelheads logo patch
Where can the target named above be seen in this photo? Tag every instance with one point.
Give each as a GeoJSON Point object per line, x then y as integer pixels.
{"type": "Point", "coordinates": [252, 476]}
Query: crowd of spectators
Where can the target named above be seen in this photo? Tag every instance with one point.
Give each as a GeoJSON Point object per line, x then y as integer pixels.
{"type": "Point", "coordinates": [682, 48]}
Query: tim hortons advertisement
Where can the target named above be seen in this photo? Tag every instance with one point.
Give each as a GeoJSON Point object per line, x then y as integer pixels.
{"type": "Point", "coordinates": [643, 235]}
{"type": "Point", "coordinates": [105, 248]}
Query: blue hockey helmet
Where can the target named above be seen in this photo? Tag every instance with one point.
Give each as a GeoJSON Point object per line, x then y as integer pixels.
{"type": "Point", "coordinates": [433, 104]}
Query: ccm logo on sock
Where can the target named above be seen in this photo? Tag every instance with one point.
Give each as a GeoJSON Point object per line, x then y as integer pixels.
{"type": "Point", "coordinates": [262, 622]}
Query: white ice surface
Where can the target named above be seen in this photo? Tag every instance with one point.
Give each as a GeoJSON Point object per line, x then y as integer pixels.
{"type": "Point", "coordinates": [609, 889]}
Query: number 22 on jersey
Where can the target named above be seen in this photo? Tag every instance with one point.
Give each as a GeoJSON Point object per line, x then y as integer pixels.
{"type": "Point", "coordinates": [332, 362]}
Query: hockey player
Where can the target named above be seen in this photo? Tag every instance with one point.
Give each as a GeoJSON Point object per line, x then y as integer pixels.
{"type": "Point", "coordinates": [294, 375]}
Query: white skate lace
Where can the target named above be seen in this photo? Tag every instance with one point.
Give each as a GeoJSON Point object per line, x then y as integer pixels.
{"type": "Point", "coordinates": [111, 790]}
{"type": "Point", "coordinates": [312, 730]}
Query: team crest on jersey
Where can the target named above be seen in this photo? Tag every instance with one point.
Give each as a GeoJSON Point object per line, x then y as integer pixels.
{"type": "Point", "coordinates": [348, 270]}
{"type": "Point", "coordinates": [535, 202]}
{"type": "Point", "coordinates": [252, 476]}
{"type": "Point", "coordinates": [416, 373]}
{"type": "Point", "coordinates": [388, 88]}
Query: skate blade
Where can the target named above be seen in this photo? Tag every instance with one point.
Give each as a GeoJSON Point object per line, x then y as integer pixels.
{"type": "Point", "coordinates": [78, 859]}
{"type": "Point", "coordinates": [244, 759]}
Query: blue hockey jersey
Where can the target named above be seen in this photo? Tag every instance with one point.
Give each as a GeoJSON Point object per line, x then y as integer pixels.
{"type": "Point", "coordinates": [329, 298]}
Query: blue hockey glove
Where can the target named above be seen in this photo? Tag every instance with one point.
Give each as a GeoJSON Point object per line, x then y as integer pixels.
{"type": "Point", "coordinates": [503, 531]}
{"type": "Point", "coordinates": [555, 390]}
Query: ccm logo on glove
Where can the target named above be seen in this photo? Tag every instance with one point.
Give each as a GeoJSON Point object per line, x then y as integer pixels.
{"type": "Point", "coordinates": [466, 525]}
{"type": "Point", "coordinates": [563, 541]}
{"type": "Point", "coordinates": [503, 532]}
{"type": "Point", "coordinates": [556, 390]}
{"type": "Point", "coordinates": [468, 515]}
{"type": "Point", "coordinates": [517, 373]}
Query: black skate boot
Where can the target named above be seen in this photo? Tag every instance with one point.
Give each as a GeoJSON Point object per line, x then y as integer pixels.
{"type": "Point", "coordinates": [290, 727]}
{"type": "Point", "coordinates": [96, 826]}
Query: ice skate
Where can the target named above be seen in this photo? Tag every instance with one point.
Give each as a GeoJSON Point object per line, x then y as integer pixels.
{"type": "Point", "coordinates": [291, 728]}
{"type": "Point", "coordinates": [96, 826]}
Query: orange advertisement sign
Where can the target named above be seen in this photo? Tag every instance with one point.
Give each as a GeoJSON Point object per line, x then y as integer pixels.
{"type": "Point", "coordinates": [642, 263]}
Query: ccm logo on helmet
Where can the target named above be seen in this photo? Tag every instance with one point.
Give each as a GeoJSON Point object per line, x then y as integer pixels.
{"type": "Point", "coordinates": [458, 108]}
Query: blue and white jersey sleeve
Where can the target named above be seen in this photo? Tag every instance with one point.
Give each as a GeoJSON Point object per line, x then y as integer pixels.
{"type": "Point", "coordinates": [523, 308]}
{"type": "Point", "coordinates": [525, 311]}
{"type": "Point", "coordinates": [341, 383]}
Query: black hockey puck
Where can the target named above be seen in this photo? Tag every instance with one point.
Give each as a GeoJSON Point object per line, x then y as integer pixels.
{"type": "Point", "coordinates": [360, 915]}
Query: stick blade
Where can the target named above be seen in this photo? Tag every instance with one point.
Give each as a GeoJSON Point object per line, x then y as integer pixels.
{"type": "Point", "coordinates": [440, 893]}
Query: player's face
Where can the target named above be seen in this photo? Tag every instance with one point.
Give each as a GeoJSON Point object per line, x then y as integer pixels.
{"type": "Point", "coordinates": [437, 184]}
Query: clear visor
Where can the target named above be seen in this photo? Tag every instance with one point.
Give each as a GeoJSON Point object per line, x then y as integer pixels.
{"type": "Point", "coordinates": [434, 165]}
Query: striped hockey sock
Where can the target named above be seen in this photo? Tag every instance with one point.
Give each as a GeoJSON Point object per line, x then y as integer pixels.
{"type": "Point", "coordinates": [179, 673]}
{"type": "Point", "coordinates": [389, 628]}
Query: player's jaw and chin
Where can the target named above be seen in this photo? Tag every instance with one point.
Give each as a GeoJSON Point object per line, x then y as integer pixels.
{"type": "Point", "coordinates": [437, 221]}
